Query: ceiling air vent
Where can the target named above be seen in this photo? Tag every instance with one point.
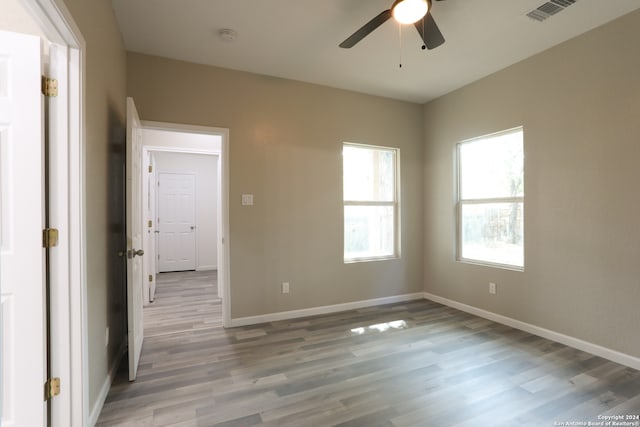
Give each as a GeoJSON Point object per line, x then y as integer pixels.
{"type": "Point", "coordinates": [549, 9]}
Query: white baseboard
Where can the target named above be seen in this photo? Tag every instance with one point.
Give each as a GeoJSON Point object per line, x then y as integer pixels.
{"type": "Point", "coordinates": [604, 352]}
{"type": "Point", "coordinates": [206, 267]}
{"type": "Point", "coordinates": [325, 309]}
{"type": "Point", "coordinates": [106, 386]}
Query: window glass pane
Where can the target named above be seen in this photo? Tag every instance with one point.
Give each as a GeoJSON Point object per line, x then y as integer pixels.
{"type": "Point", "coordinates": [492, 167]}
{"type": "Point", "coordinates": [368, 231]}
{"type": "Point", "coordinates": [369, 174]}
{"type": "Point", "coordinates": [493, 232]}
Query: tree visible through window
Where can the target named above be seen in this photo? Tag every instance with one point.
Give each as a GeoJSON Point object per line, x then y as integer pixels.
{"type": "Point", "coordinates": [370, 202]}
{"type": "Point", "coordinates": [491, 199]}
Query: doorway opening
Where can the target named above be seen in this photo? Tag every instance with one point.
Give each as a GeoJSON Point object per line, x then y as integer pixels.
{"type": "Point", "coordinates": [185, 200]}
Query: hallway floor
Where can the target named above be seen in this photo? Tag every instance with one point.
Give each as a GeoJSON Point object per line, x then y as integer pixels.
{"type": "Point", "coordinates": [407, 364]}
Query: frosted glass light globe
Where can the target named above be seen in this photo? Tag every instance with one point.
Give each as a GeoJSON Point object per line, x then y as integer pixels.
{"type": "Point", "coordinates": [410, 11]}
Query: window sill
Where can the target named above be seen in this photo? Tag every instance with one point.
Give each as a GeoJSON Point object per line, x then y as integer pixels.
{"type": "Point", "coordinates": [491, 264]}
{"type": "Point", "coordinates": [370, 259]}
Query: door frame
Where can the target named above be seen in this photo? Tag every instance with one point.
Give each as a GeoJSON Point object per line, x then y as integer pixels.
{"type": "Point", "coordinates": [224, 281]}
{"type": "Point", "coordinates": [69, 348]}
{"type": "Point", "coordinates": [149, 186]}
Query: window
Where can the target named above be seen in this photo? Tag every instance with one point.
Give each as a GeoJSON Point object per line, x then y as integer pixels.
{"type": "Point", "coordinates": [491, 199]}
{"type": "Point", "coordinates": [370, 193]}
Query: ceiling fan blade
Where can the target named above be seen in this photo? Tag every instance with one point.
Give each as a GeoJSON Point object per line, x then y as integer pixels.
{"type": "Point", "coordinates": [429, 32]}
{"type": "Point", "coordinates": [366, 29]}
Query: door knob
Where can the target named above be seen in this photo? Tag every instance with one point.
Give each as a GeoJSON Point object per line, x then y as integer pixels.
{"type": "Point", "coordinates": [193, 227]}
{"type": "Point", "coordinates": [131, 253]}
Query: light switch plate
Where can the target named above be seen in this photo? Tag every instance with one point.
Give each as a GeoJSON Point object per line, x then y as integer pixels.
{"type": "Point", "coordinates": [492, 288]}
{"type": "Point", "coordinates": [247, 200]}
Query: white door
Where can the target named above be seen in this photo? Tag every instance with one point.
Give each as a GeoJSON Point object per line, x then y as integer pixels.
{"type": "Point", "coordinates": [177, 221]}
{"type": "Point", "coordinates": [22, 355]}
{"type": "Point", "coordinates": [134, 238]}
{"type": "Point", "coordinates": [150, 209]}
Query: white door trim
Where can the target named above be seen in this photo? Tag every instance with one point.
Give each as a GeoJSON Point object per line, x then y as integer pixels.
{"type": "Point", "coordinates": [149, 214]}
{"type": "Point", "coordinates": [224, 280]}
{"type": "Point", "coordinates": [69, 349]}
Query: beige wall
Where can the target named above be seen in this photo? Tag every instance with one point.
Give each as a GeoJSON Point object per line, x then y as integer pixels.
{"type": "Point", "coordinates": [105, 124]}
{"type": "Point", "coordinates": [285, 149]}
{"type": "Point", "coordinates": [579, 104]}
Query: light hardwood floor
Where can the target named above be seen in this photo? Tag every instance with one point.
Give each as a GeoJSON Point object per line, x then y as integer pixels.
{"type": "Point", "coordinates": [408, 364]}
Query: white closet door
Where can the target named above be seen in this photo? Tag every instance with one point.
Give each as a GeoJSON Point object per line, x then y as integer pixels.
{"type": "Point", "coordinates": [22, 319]}
{"type": "Point", "coordinates": [177, 221]}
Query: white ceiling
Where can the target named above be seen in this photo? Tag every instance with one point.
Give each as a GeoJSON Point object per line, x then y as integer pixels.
{"type": "Point", "coordinates": [298, 39]}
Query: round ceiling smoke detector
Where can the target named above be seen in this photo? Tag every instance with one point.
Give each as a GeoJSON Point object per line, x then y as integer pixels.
{"type": "Point", "coordinates": [227, 34]}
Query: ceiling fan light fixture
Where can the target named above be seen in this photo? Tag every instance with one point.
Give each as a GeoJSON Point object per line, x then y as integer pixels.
{"type": "Point", "coordinates": [409, 11]}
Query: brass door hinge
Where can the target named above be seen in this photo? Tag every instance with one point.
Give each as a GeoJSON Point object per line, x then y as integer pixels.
{"type": "Point", "coordinates": [51, 388]}
{"type": "Point", "coordinates": [150, 223]}
{"type": "Point", "coordinates": [150, 278]}
{"type": "Point", "coordinates": [49, 86]}
{"type": "Point", "coordinates": [150, 168]}
{"type": "Point", "coordinates": [49, 237]}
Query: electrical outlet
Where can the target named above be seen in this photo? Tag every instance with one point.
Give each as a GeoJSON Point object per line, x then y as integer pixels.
{"type": "Point", "coordinates": [106, 337]}
{"type": "Point", "coordinates": [285, 287]}
{"type": "Point", "coordinates": [492, 288]}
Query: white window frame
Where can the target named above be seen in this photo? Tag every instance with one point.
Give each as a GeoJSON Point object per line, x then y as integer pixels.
{"type": "Point", "coordinates": [494, 200]}
{"type": "Point", "coordinates": [395, 203]}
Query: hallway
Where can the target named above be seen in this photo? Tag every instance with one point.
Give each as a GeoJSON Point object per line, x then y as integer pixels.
{"type": "Point", "coordinates": [186, 310]}
{"type": "Point", "coordinates": [184, 301]}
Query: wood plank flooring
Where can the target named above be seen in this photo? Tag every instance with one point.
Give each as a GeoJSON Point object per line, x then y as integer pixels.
{"type": "Point", "coordinates": [407, 364]}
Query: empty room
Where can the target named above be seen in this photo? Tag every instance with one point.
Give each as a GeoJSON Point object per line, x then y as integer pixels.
{"type": "Point", "coordinates": [419, 213]}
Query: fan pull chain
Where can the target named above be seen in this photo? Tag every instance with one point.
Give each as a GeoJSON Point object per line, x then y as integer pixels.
{"type": "Point", "coordinates": [400, 39]}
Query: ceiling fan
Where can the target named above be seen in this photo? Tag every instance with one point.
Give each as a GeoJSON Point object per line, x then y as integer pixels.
{"type": "Point", "coordinates": [416, 12]}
